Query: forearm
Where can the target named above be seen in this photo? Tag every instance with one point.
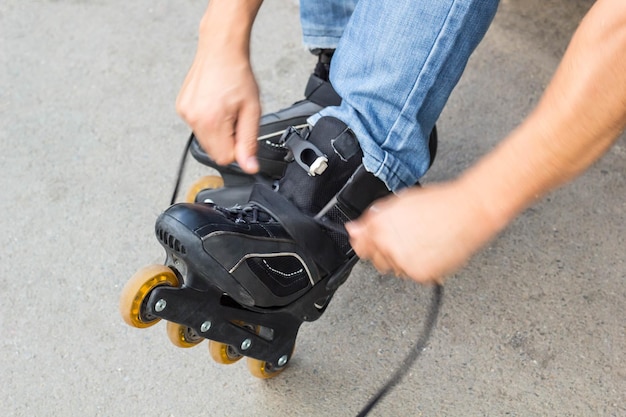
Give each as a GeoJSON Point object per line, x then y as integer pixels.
{"type": "Point", "coordinates": [219, 98]}
{"type": "Point", "coordinates": [582, 112]}
{"type": "Point", "coordinates": [227, 24]}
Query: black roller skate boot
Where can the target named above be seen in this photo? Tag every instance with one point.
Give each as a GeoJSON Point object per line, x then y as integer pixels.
{"type": "Point", "coordinates": [247, 277]}
{"type": "Point", "coordinates": [234, 186]}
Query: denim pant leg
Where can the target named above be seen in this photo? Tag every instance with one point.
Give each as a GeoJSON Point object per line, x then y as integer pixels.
{"type": "Point", "coordinates": [395, 67]}
{"type": "Point", "coordinates": [323, 22]}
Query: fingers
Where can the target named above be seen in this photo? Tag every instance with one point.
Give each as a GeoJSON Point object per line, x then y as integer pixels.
{"type": "Point", "coordinates": [224, 115]}
{"type": "Point", "coordinates": [363, 230]}
{"type": "Point", "coordinates": [370, 242]}
{"type": "Point", "coordinates": [218, 139]}
{"type": "Point", "coordinates": [246, 138]}
{"type": "Point", "coordinates": [366, 248]}
{"type": "Point", "coordinates": [213, 126]}
{"type": "Point", "coordinates": [357, 241]}
{"type": "Point", "coordinates": [227, 135]}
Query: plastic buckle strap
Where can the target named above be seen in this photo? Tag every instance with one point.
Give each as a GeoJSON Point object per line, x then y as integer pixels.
{"type": "Point", "coordinates": [301, 150]}
{"type": "Point", "coordinates": [346, 145]}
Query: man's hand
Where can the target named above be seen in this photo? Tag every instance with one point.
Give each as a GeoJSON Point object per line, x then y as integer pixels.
{"type": "Point", "coordinates": [427, 233]}
{"type": "Point", "coordinates": [220, 101]}
{"type": "Point", "coordinates": [422, 233]}
{"type": "Point", "coordinates": [219, 98]}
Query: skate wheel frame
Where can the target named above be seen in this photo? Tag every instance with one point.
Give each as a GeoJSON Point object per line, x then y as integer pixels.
{"type": "Point", "coordinates": [265, 337]}
{"type": "Point", "coordinates": [204, 183]}
{"type": "Point", "coordinates": [137, 290]}
{"type": "Point", "coordinates": [182, 336]}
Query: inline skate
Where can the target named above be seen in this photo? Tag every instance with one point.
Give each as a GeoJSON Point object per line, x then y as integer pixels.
{"type": "Point", "coordinates": [246, 277]}
{"type": "Point", "coordinates": [250, 258]}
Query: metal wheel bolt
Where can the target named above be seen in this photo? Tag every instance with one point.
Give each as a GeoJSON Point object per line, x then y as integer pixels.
{"type": "Point", "coordinates": [245, 345]}
{"type": "Point", "coordinates": [283, 360]}
{"type": "Point", "coordinates": [205, 326]}
{"type": "Point", "coordinates": [160, 305]}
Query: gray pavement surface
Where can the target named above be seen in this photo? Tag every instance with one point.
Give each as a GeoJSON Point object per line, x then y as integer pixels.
{"type": "Point", "coordinates": [534, 325]}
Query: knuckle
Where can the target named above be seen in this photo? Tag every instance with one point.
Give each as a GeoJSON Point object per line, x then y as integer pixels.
{"type": "Point", "coordinates": [223, 158]}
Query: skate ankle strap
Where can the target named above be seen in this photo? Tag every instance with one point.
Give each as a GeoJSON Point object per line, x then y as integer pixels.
{"type": "Point", "coordinates": [345, 145]}
{"type": "Point", "coordinates": [302, 228]}
{"type": "Point", "coordinates": [361, 190]}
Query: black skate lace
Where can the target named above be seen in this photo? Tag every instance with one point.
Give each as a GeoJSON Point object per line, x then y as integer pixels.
{"type": "Point", "coordinates": [422, 340]}
{"type": "Point", "coordinates": [248, 214]}
{"type": "Point", "coordinates": [181, 169]}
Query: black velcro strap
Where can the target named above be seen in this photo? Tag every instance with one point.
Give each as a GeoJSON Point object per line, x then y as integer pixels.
{"type": "Point", "coordinates": [360, 191]}
{"type": "Point", "coordinates": [346, 145]}
{"type": "Point", "coordinates": [303, 229]}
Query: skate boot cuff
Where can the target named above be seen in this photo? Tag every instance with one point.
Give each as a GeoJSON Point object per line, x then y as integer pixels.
{"type": "Point", "coordinates": [324, 58]}
{"type": "Point", "coordinates": [321, 92]}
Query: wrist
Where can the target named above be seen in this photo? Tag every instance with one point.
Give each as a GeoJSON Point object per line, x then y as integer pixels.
{"type": "Point", "coordinates": [228, 23]}
{"type": "Point", "coordinates": [489, 204]}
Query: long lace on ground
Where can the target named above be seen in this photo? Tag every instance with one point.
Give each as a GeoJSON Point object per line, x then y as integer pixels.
{"type": "Point", "coordinates": [408, 361]}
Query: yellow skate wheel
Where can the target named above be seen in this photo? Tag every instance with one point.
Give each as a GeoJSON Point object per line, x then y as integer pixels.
{"type": "Point", "coordinates": [182, 336]}
{"type": "Point", "coordinates": [222, 353]}
{"type": "Point", "coordinates": [137, 290]}
{"type": "Point", "coordinates": [262, 369]}
{"type": "Point", "coordinates": [204, 183]}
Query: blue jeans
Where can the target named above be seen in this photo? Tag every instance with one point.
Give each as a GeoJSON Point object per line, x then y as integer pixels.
{"type": "Point", "coordinates": [395, 66]}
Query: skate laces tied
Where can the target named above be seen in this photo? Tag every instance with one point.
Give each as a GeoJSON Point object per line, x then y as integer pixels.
{"type": "Point", "coordinates": [248, 214]}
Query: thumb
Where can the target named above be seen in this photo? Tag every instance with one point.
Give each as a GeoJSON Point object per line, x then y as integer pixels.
{"type": "Point", "coordinates": [246, 138]}
{"type": "Point", "coordinates": [358, 239]}
{"type": "Point", "coordinates": [354, 228]}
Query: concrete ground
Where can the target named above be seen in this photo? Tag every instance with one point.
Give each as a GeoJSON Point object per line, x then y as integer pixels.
{"type": "Point", "coordinates": [535, 325]}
